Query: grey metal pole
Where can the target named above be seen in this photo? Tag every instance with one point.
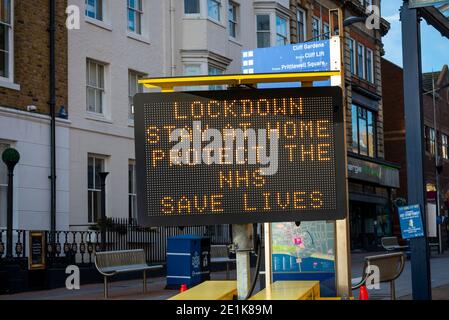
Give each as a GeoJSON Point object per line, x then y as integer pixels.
{"type": "Point", "coordinates": [9, 217]}
{"type": "Point", "coordinates": [241, 235]}
{"type": "Point", "coordinates": [411, 48]}
{"type": "Point", "coordinates": [52, 104]}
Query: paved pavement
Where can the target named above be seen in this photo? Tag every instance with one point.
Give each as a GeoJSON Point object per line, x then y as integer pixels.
{"type": "Point", "coordinates": [132, 290]}
{"type": "Point", "coordinates": [122, 290]}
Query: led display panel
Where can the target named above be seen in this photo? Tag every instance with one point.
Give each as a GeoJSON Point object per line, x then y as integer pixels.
{"type": "Point", "coordinates": [240, 156]}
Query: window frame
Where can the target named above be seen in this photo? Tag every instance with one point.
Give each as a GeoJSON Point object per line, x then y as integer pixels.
{"type": "Point", "coordinates": [301, 12]}
{"type": "Point", "coordinates": [444, 146]}
{"type": "Point", "coordinates": [430, 136]}
{"type": "Point", "coordinates": [198, 66]}
{"type": "Point", "coordinates": [95, 190]}
{"type": "Point", "coordinates": [9, 53]}
{"type": "Point", "coordinates": [356, 131]}
{"type": "Point", "coordinates": [96, 88]}
{"type": "Point", "coordinates": [263, 31]}
{"type": "Point", "coordinates": [192, 13]}
{"type": "Point", "coordinates": [99, 6]}
{"type": "Point", "coordinates": [361, 67]}
{"type": "Point", "coordinates": [138, 12]}
{"type": "Point", "coordinates": [233, 19]}
{"type": "Point", "coordinates": [220, 5]}
{"type": "Point", "coordinates": [369, 69]}
{"type": "Point", "coordinates": [221, 71]}
{"type": "Point", "coordinates": [318, 23]}
{"type": "Point", "coordinates": [139, 89]}
{"type": "Point", "coordinates": [325, 34]}
{"type": "Point", "coordinates": [352, 56]}
{"type": "Point", "coordinates": [277, 34]}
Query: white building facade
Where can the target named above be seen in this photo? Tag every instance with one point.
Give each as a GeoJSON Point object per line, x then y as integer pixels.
{"type": "Point", "coordinates": [120, 41]}
{"type": "Point", "coordinates": [29, 134]}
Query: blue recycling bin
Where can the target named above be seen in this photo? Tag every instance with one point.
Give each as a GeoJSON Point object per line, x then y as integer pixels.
{"type": "Point", "coordinates": [188, 261]}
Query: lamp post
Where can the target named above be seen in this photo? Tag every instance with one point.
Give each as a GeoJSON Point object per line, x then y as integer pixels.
{"type": "Point", "coordinates": [10, 157]}
{"type": "Point", "coordinates": [103, 176]}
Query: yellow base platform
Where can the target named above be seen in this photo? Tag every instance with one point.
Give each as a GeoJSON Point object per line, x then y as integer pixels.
{"type": "Point", "coordinates": [290, 290]}
{"type": "Point", "coordinates": [209, 290]}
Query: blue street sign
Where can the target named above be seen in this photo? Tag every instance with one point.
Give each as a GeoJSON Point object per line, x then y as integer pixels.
{"type": "Point", "coordinates": [411, 222]}
{"type": "Point", "coordinates": [301, 57]}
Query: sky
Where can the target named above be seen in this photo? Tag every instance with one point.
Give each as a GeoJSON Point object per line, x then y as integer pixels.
{"type": "Point", "coordinates": [435, 48]}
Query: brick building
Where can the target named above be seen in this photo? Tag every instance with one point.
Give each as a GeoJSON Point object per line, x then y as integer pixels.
{"type": "Point", "coordinates": [436, 133]}
{"type": "Point", "coordinates": [24, 110]}
{"type": "Point", "coordinates": [372, 178]}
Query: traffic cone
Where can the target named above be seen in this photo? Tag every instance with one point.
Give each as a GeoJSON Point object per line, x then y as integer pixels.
{"type": "Point", "coordinates": [183, 288]}
{"type": "Point", "coordinates": [363, 293]}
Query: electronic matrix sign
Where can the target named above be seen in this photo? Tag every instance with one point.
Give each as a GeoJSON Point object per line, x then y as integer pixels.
{"type": "Point", "coordinates": [240, 156]}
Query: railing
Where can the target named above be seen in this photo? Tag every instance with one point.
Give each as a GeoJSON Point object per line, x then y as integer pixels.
{"type": "Point", "coordinates": [79, 247]}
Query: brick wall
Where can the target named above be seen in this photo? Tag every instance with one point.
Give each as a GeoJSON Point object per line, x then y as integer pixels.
{"type": "Point", "coordinates": [31, 56]}
{"type": "Point", "coordinates": [371, 39]}
{"type": "Point", "coordinates": [394, 121]}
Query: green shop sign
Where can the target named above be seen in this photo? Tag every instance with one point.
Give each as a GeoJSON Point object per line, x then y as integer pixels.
{"type": "Point", "coordinates": [373, 172]}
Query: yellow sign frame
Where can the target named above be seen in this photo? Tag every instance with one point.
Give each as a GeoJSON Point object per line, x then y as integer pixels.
{"type": "Point", "coordinates": [305, 78]}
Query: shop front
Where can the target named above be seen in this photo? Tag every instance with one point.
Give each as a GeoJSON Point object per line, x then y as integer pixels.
{"type": "Point", "coordinates": [371, 215]}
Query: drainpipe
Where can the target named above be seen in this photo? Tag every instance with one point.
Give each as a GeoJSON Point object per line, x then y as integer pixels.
{"type": "Point", "coordinates": [172, 39]}
{"type": "Point", "coordinates": [52, 103]}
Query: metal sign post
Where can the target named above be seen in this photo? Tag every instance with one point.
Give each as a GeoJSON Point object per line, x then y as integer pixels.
{"type": "Point", "coordinates": [268, 254]}
{"type": "Point", "coordinates": [241, 236]}
{"type": "Point", "coordinates": [342, 248]}
{"type": "Point", "coordinates": [411, 46]}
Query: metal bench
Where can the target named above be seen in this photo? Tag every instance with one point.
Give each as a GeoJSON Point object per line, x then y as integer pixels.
{"type": "Point", "coordinates": [390, 267]}
{"type": "Point", "coordinates": [110, 263]}
{"type": "Point", "coordinates": [220, 254]}
{"type": "Point", "coordinates": [392, 244]}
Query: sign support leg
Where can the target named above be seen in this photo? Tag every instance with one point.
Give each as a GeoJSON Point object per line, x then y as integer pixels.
{"type": "Point", "coordinates": [268, 256]}
{"type": "Point", "coordinates": [242, 239]}
{"type": "Point", "coordinates": [342, 258]}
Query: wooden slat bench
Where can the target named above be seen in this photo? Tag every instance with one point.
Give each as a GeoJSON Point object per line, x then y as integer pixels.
{"type": "Point", "coordinates": [290, 290]}
{"type": "Point", "coordinates": [210, 290]}
{"type": "Point", "coordinates": [110, 263]}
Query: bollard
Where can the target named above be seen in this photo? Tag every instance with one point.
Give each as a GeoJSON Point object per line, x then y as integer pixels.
{"type": "Point", "coordinates": [363, 293]}
{"type": "Point", "coordinates": [183, 288]}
